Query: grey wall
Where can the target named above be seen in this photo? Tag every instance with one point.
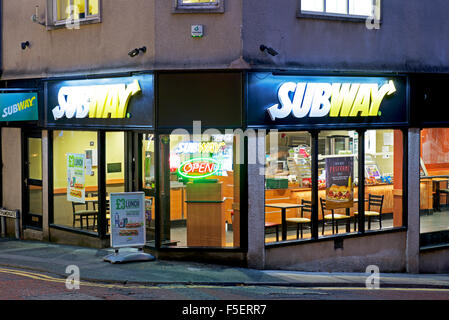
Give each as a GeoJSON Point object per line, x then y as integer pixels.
{"type": "Point", "coordinates": [100, 47]}
{"type": "Point", "coordinates": [103, 47]}
{"type": "Point", "coordinates": [387, 251]}
{"type": "Point", "coordinates": [12, 172]}
{"type": "Point", "coordinates": [412, 37]}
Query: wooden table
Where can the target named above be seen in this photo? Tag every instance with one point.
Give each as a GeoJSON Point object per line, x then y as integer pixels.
{"type": "Point", "coordinates": [284, 207]}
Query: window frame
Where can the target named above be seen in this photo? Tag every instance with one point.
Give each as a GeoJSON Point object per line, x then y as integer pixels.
{"type": "Point", "coordinates": [338, 16]}
{"type": "Point", "coordinates": [361, 187]}
{"type": "Point", "coordinates": [215, 6]}
{"type": "Point", "coordinates": [52, 13]}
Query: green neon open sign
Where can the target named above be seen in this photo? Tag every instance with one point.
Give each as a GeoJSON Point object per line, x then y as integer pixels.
{"type": "Point", "coordinates": [199, 168]}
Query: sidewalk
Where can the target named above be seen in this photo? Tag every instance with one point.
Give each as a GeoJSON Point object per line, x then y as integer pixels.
{"type": "Point", "coordinates": [53, 259]}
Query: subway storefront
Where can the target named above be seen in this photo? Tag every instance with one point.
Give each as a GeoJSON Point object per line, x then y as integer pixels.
{"type": "Point", "coordinates": [335, 170]}
{"type": "Point", "coordinates": [140, 133]}
{"type": "Point", "coordinates": [260, 169]}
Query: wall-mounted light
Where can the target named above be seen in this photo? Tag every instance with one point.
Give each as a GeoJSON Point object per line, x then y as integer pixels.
{"type": "Point", "coordinates": [25, 44]}
{"type": "Point", "coordinates": [136, 51]}
{"type": "Point", "coordinates": [269, 50]}
{"type": "Point", "coordinates": [36, 18]}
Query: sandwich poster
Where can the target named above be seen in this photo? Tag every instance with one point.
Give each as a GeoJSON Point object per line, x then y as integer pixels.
{"type": "Point", "coordinates": [76, 191]}
{"type": "Point", "coordinates": [339, 186]}
{"type": "Point", "coordinates": [127, 219]}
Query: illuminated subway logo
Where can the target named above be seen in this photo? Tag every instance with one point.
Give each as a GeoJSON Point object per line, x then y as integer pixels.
{"type": "Point", "coordinates": [18, 107]}
{"type": "Point", "coordinates": [199, 168]}
{"type": "Point", "coordinates": [100, 101]}
{"type": "Point", "coordinates": [330, 99]}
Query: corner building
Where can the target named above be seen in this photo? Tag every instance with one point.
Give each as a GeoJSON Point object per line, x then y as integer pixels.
{"type": "Point", "coordinates": [302, 135]}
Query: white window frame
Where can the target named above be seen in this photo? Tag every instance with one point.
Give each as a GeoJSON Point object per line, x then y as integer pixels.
{"type": "Point", "coordinates": [52, 14]}
{"type": "Point", "coordinates": [216, 6]}
{"type": "Point", "coordinates": [338, 16]}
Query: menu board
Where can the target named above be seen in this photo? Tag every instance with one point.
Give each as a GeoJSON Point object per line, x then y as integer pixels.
{"type": "Point", "coordinates": [339, 187]}
{"type": "Point", "coordinates": [76, 191]}
{"type": "Point", "coordinates": [127, 219]}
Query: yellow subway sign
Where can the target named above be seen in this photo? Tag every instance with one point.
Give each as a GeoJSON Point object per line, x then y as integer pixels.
{"type": "Point", "coordinates": [339, 99]}
{"type": "Point", "coordinates": [96, 101]}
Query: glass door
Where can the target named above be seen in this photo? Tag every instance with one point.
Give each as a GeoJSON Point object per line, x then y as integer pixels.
{"type": "Point", "coordinates": [32, 206]}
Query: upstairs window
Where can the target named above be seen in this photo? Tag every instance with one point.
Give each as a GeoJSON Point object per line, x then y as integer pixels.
{"type": "Point", "coordinates": [195, 6]}
{"type": "Point", "coordinates": [74, 11]}
{"type": "Point", "coordinates": [341, 8]}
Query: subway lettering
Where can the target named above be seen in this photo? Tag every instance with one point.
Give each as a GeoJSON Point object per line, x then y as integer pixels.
{"type": "Point", "coordinates": [102, 101]}
{"type": "Point", "coordinates": [330, 99]}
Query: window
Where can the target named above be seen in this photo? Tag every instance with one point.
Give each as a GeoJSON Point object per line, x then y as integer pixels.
{"type": "Point", "coordinates": [70, 11]}
{"type": "Point", "coordinates": [434, 197]}
{"type": "Point", "coordinates": [75, 180]}
{"type": "Point", "coordinates": [341, 8]}
{"type": "Point", "coordinates": [192, 6]}
{"type": "Point", "coordinates": [383, 179]}
{"type": "Point", "coordinates": [201, 179]}
{"type": "Point", "coordinates": [291, 184]}
{"type": "Point", "coordinates": [288, 181]}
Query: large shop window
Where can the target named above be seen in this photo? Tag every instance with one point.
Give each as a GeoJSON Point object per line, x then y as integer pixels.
{"type": "Point", "coordinates": [289, 182]}
{"type": "Point", "coordinates": [384, 151]}
{"type": "Point", "coordinates": [75, 174]}
{"type": "Point", "coordinates": [434, 198]}
{"type": "Point", "coordinates": [202, 209]}
{"type": "Point", "coordinates": [288, 186]}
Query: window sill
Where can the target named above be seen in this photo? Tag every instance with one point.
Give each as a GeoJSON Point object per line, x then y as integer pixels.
{"type": "Point", "coordinates": [199, 9]}
{"type": "Point", "coordinates": [63, 24]}
{"type": "Point", "coordinates": [334, 17]}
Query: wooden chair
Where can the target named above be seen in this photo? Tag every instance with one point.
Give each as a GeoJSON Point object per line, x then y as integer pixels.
{"type": "Point", "coordinates": [373, 201]}
{"type": "Point", "coordinates": [80, 214]}
{"type": "Point", "coordinates": [273, 224]}
{"type": "Point", "coordinates": [302, 220]}
{"type": "Point", "coordinates": [439, 192]}
{"type": "Point", "coordinates": [333, 217]}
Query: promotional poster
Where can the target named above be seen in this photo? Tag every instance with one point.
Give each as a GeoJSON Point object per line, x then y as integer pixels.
{"type": "Point", "coordinates": [127, 219]}
{"type": "Point", "coordinates": [76, 191]}
{"type": "Point", "coordinates": [339, 182]}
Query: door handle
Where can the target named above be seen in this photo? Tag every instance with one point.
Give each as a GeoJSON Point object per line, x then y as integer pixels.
{"type": "Point", "coordinates": [25, 181]}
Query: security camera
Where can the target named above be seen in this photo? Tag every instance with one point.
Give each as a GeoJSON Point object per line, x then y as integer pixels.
{"type": "Point", "coordinates": [25, 44]}
{"type": "Point", "coordinates": [133, 53]}
{"type": "Point", "coordinates": [35, 17]}
{"type": "Point", "coordinates": [136, 51]}
{"type": "Point", "coordinates": [270, 51]}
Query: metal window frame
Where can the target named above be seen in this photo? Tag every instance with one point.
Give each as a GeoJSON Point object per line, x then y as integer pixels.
{"type": "Point", "coordinates": [52, 13]}
{"type": "Point", "coordinates": [361, 187]}
{"type": "Point", "coordinates": [214, 6]}
{"type": "Point", "coordinates": [338, 16]}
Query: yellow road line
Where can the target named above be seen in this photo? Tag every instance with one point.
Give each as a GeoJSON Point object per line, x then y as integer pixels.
{"type": "Point", "coordinates": [42, 277]}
